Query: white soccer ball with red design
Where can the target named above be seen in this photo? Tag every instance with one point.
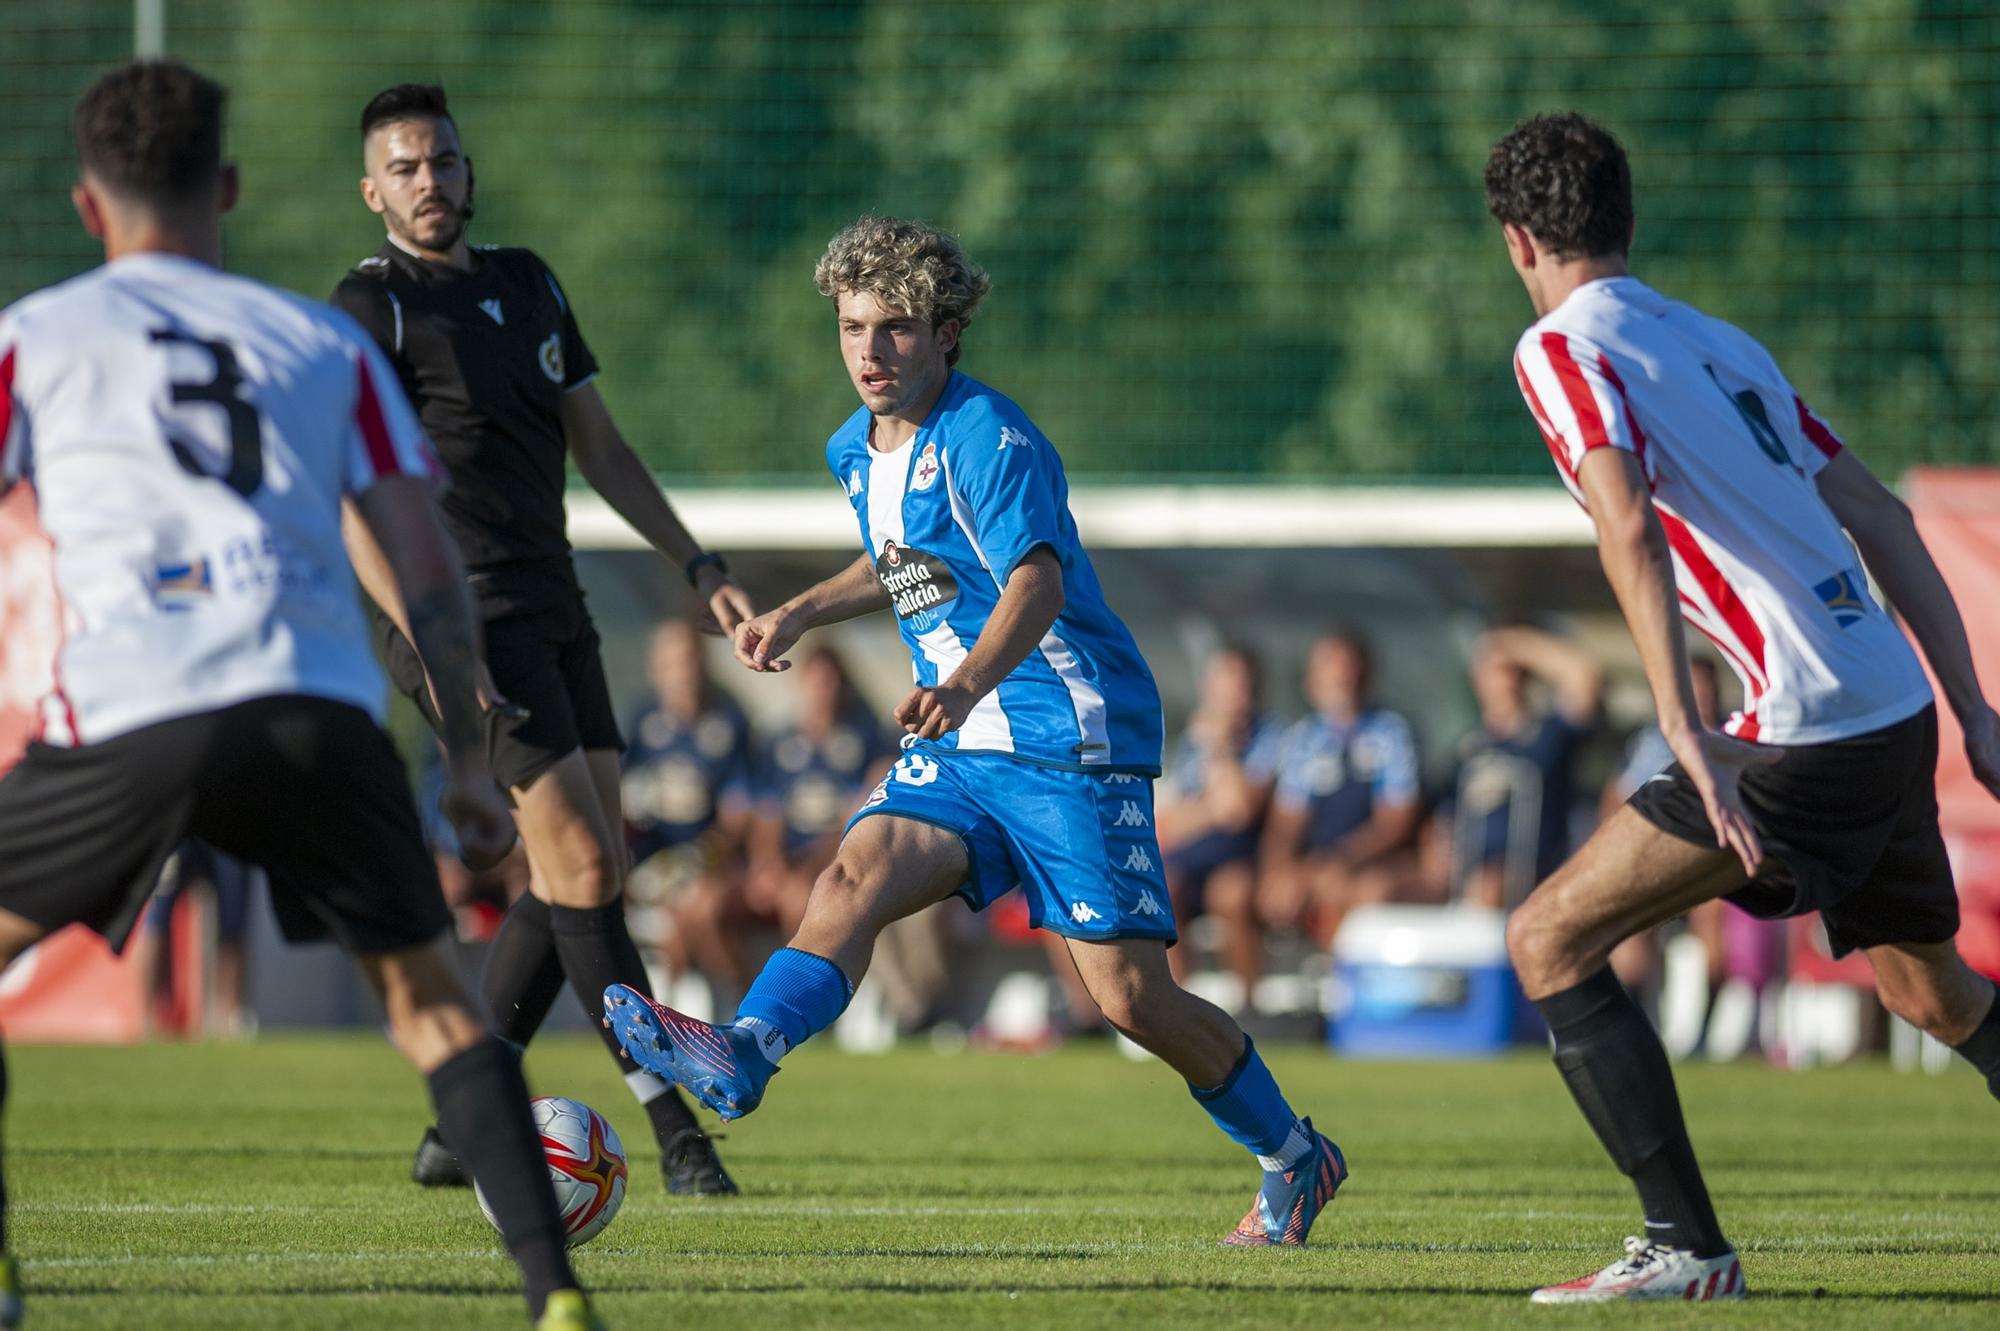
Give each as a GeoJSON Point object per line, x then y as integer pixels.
{"type": "Point", "coordinates": [586, 1163]}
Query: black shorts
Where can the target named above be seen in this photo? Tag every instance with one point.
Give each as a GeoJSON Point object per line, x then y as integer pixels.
{"type": "Point", "coordinates": [545, 660]}
{"type": "Point", "coordinates": [310, 790]}
{"type": "Point", "coordinates": [1850, 829]}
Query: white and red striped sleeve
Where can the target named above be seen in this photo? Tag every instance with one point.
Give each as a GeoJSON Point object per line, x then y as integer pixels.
{"type": "Point", "coordinates": [1819, 445]}
{"type": "Point", "coordinates": [1577, 399]}
{"type": "Point", "coordinates": [384, 435]}
{"type": "Point", "coordinates": [13, 420]}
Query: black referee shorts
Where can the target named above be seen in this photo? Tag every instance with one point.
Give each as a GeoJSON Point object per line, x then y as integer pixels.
{"type": "Point", "coordinates": [1850, 829]}
{"type": "Point", "coordinates": [547, 661]}
{"type": "Point", "coordinates": [309, 789]}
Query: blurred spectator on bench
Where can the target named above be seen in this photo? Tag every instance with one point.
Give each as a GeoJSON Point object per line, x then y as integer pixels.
{"type": "Point", "coordinates": [687, 791]}
{"type": "Point", "coordinates": [226, 883]}
{"type": "Point", "coordinates": [1346, 800]}
{"type": "Point", "coordinates": [1516, 774]}
{"type": "Point", "coordinates": [1216, 792]}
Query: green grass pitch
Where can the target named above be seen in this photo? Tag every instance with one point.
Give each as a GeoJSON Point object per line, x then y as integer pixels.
{"type": "Point", "coordinates": [263, 1186]}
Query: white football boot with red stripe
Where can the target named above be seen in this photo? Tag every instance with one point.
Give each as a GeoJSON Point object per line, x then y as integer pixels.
{"type": "Point", "coordinates": [1654, 1271]}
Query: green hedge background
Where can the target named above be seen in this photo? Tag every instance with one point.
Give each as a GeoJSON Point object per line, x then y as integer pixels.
{"type": "Point", "coordinates": [1241, 241]}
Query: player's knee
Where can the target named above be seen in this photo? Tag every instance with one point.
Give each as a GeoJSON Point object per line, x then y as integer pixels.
{"type": "Point", "coordinates": [844, 890]}
{"type": "Point", "coordinates": [1535, 949]}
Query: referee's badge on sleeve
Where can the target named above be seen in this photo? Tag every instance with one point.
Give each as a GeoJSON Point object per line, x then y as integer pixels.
{"type": "Point", "coordinates": [551, 357]}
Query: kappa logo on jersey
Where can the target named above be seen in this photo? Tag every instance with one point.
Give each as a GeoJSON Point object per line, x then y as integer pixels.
{"type": "Point", "coordinates": [549, 356]}
{"type": "Point", "coordinates": [920, 584]}
{"type": "Point", "coordinates": [492, 308]}
{"type": "Point", "coordinates": [1148, 905]}
{"type": "Point", "coordinates": [1130, 816]}
{"type": "Point", "coordinates": [916, 770]}
{"type": "Point", "coordinates": [1082, 913]}
{"type": "Point", "coordinates": [1010, 435]}
{"type": "Point", "coordinates": [1842, 594]}
{"type": "Point", "coordinates": [926, 472]}
{"type": "Point", "coordinates": [1138, 861]}
{"type": "Point", "coordinates": [854, 483]}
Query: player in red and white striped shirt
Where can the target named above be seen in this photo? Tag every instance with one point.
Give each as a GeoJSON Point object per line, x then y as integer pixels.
{"type": "Point", "coordinates": [190, 437]}
{"type": "Point", "coordinates": [1721, 498]}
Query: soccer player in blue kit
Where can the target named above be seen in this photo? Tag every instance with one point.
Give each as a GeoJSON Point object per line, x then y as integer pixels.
{"type": "Point", "coordinates": [1034, 731]}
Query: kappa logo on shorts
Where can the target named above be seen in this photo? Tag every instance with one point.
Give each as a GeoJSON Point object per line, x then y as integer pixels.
{"type": "Point", "coordinates": [1082, 913]}
{"type": "Point", "coordinates": [1138, 861]}
{"type": "Point", "coordinates": [916, 770]}
{"type": "Point", "coordinates": [1148, 905]}
{"type": "Point", "coordinates": [1120, 778]}
{"type": "Point", "coordinates": [1130, 816]}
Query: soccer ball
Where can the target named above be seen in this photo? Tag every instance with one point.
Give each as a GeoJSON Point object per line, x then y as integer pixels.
{"type": "Point", "coordinates": [586, 1163]}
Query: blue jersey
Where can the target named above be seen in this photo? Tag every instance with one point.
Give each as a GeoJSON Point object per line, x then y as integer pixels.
{"type": "Point", "coordinates": [811, 785]}
{"type": "Point", "coordinates": [1338, 773]}
{"type": "Point", "coordinates": [677, 776]}
{"type": "Point", "coordinates": [946, 518]}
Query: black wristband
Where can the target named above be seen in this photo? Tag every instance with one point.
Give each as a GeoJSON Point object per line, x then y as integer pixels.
{"type": "Point", "coordinates": [706, 559]}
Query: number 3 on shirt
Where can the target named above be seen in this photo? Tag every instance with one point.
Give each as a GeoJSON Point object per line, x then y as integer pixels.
{"type": "Point", "coordinates": [1751, 408]}
{"type": "Point", "coordinates": [246, 427]}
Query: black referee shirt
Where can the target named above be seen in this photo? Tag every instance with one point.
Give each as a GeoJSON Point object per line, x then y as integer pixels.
{"type": "Point", "coordinates": [485, 357]}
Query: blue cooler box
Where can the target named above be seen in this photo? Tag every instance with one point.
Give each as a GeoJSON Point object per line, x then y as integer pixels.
{"type": "Point", "coordinates": [1422, 982]}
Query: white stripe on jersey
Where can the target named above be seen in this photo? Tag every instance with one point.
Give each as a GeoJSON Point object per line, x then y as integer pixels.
{"type": "Point", "coordinates": [1085, 699]}
{"type": "Point", "coordinates": [986, 725]}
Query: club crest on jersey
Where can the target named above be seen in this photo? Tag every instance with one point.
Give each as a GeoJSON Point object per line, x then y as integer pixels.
{"type": "Point", "coordinates": [549, 356]}
{"type": "Point", "coordinates": [926, 472]}
{"type": "Point", "coordinates": [920, 585]}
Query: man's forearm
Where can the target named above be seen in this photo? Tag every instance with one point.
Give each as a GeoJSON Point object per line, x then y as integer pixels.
{"type": "Point", "coordinates": [616, 473]}
{"type": "Point", "coordinates": [1896, 555]}
{"type": "Point", "coordinates": [1387, 829]}
{"type": "Point", "coordinates": [1026, 610]}
{"type": "Point", "coordinates": [446, 635]}
{"type": "Point", "coordinates": [372, 568]}
{"type": "Point", "coordinates": [855, 590]}
{"type": "Point", "coordinates": [1639, 566]}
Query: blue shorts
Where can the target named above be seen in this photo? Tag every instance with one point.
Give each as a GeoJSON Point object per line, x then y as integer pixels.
{"type": "Point", "coordinates": [1080, 844]}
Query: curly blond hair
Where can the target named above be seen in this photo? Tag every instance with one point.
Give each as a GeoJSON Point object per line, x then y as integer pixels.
{"type": "Point", "coordinates": [908, 266]}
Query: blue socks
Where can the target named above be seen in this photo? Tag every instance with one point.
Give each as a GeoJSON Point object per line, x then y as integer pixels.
{"type": "Point", "coordinates": [795, 997]}
{"type": "Point", "coordinates": [1249, 1106]}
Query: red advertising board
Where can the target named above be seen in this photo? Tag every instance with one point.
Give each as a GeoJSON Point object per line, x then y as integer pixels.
{"type": "Point", "coordinates": [70, 986]}
{"type": "Point", "coordinates": [1958, 513]}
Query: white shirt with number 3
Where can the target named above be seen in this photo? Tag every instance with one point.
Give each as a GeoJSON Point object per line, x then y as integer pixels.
{"type": "Point", "coordinates": [190, 435]}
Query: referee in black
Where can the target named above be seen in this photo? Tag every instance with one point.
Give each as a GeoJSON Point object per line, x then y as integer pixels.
{"type": "Point", "coordinates": [490, 354]}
